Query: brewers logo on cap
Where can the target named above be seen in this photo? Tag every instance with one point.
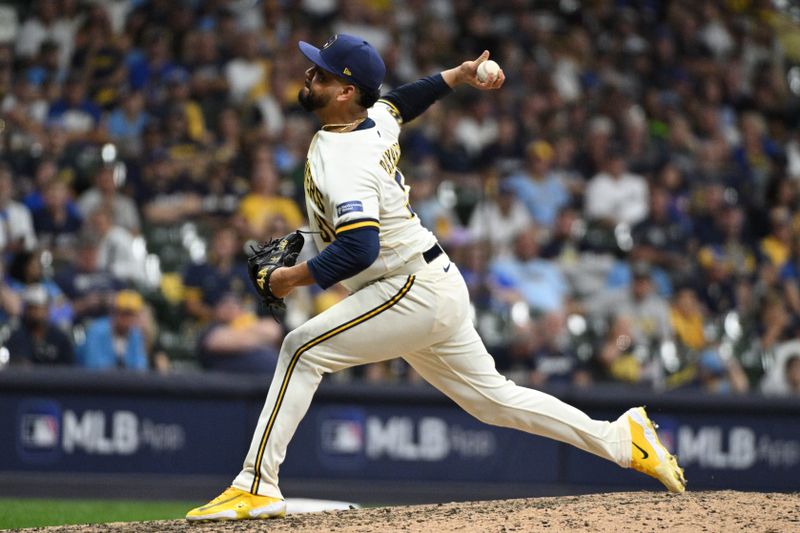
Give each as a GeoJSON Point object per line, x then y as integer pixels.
{"type": "Point", "coordinates": [330, 41]}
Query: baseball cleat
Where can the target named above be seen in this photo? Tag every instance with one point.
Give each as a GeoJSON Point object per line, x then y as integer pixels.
{"type": "Point", "coordinates": [649, 456]}
{"type": "Point", "coordinates": [236, 504]}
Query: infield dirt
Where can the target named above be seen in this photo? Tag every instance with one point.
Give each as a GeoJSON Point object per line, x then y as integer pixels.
{"type": "Point", "coordinates": [723, 511]}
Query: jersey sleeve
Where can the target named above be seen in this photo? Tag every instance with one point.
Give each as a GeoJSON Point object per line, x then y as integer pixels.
{"type": "Point", "coordinates": [355, 201]}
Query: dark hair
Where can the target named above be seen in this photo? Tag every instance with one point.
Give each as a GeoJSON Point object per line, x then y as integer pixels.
{"type": "Point", "coordinates": [367, 97]}
{"type": "Point", "coordinates": [19, 264]}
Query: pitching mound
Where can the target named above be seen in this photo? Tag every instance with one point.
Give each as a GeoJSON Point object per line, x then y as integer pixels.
{"type": "Point", "coordinates": [723, 511]}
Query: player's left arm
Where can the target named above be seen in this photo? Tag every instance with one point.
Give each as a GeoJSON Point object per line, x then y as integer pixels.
{"type": "Point", "coordinates": [357, 243]}
{"type": "Point", "coordinates": [351, 252]}
{"type": "Point", "coordinates": [409, 101]}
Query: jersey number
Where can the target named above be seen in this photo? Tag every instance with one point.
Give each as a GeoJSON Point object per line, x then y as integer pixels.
{"type": "Point", "coordinates": [324, 232]}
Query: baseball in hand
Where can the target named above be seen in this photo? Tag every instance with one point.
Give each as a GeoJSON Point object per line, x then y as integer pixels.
{"type": "Point", "coordinates": [486, 68]}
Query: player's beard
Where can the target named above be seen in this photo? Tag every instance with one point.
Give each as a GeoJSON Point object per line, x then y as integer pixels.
{"type": "Point", "coordinates": [311, 101]}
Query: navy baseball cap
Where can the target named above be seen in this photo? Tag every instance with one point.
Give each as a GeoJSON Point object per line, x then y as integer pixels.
{"type": "Point", "coordinates": [348, 57]}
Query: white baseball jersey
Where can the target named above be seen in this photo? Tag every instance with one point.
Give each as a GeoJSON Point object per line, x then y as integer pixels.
{"type": "Point", "coordinates": [400, 306]}
{"type": "Point", "coordinates": [352, 181]}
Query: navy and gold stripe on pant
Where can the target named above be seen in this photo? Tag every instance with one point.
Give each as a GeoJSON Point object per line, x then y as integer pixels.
{"type": "Point", "coordinates": [296, 357]}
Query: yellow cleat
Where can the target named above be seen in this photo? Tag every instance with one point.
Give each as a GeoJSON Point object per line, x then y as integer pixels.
{"type": "Point", "coordinates": [649, 456]}
{"type": "Point", "coordinates": [236, 504]}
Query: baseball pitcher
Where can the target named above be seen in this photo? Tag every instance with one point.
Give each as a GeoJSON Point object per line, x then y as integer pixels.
{"type": "Point", "coordinates": [407, 299]}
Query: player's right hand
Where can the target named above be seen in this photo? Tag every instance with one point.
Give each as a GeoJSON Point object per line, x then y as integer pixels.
{"type": "Point", "coordinates": [469, 74]}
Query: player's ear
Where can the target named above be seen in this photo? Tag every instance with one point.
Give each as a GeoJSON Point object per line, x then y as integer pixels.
{"type": "Point", "coordinates": [348, 92]}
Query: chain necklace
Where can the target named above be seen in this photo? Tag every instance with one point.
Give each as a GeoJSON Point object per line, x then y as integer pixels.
{"type": "Point", "coordinates": [343, 127]}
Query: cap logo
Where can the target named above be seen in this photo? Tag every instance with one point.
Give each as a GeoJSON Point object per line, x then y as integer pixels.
{"type": "Point", "coordinates": [330, 41]}
{"type": "Point", "coordinates": [347, 72]}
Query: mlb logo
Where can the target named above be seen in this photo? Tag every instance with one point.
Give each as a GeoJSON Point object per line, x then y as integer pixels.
{"type": "Point", "coordinates": [39, 431]}
{"type": "Point", "coordinates": [342, 436]}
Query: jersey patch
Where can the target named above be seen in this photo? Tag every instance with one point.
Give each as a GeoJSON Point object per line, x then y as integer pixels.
{"type": "Point", "coordinates": [352, 206]}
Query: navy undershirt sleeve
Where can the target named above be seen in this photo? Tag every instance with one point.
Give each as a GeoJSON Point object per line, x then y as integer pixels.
{"type": "Point", "coordinates": [412, 99]}
{"type": "Point", "coordinates": [349, 254]}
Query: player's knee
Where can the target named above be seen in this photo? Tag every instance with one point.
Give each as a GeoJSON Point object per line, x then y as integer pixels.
{"type": "Point", "coordinates": [291, 343]}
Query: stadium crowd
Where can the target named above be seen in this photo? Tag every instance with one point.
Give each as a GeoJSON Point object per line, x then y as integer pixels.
{"type": "Point", "coordinates": [626, 209]}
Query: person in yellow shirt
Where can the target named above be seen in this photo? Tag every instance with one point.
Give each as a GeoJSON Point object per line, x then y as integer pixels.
{"type": "Point", "coordinates": [687, 318]}
{"type": "Point", "coordinates": [777, 246]}
{"type": "Point", "coordinates": [263, 202]}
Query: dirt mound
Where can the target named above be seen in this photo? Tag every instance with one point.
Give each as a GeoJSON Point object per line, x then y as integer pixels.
{"type": "Point", "coordinates": [723, 511]}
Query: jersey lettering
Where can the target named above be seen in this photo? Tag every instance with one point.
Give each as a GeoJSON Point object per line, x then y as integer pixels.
{"type": "Point", "coordinates": [311, 190]}
{"type": "Point", "coordinates": [390, 158]}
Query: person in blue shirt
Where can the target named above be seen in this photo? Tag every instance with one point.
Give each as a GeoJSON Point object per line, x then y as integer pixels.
{"type": "Point", "coordinates": [223, 272]}
{"type": "Point", "coordinates": [75, 112]}
{"type": "Point", "coordinates": [539, 281]}
{"type": "Point", "coordinates": [538, 187]}
{"type": "Point", "coordinates": [116, 341]}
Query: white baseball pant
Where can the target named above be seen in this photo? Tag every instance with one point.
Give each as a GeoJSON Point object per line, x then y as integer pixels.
{"type": "Point", "coordinates": [424, 318]}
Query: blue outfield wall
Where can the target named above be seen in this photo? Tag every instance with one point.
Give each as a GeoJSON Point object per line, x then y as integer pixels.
{"type": "Point", "coordinates": [67, 421]}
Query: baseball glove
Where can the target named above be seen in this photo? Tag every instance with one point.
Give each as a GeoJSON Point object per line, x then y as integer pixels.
{"type": "Point", "coordinates": [267, 257]}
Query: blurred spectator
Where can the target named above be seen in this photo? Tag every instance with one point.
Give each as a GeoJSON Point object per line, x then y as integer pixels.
{"type": "Point", "coordinates": [776, 247]}
{"type": "Point", "coordinates": [554, 360]}
{"type": "Point", "coordinates": [27, 269]}
{"type": "Point", "coordinates": [126, 123]}
{"type": "Point", "coordinates": [237, 340]}
{"type": "Point", "coordinates": [56, 223]}
{"type": "Point", "coordinates": [43, 24]}
{"type": "Point", "coordinates": [116, 341]}
{"type": "Point", "coordinates": [247, 74]}
{"type": "Point", "coordinates": [76, 113]}
{"type": "Point", "coordinates": [99, 58]}
{"type": "Point", "coordinates": [16, 224]}
{"type": "Point", "coordinates": [209, 84]}
{"type": "Point", "coordinates": [783, 376]}
{"type": "Point", "coordinates": [158, 359]}
{"type": "Point", "coordinates": [10, 300]}
{"type": "Point", "coordinates": [146, 71]}
{"type": "Point", "coordinates": [427, 204]}
{"type": "Point", "coordinates": [264, 201]}
{"type": "Point", "coordinates": [178, 99]}
{"type": "Point", "coordinates": [119, 251]}
{"type": "Point", "coordinates": [223, 272]}
{"type": "Point", "coordinates": [26, 110]}
{"type": "Point", "coordinates": [35, 341]}
{"type": "Point", "coordinates": [615, 195]}
{"type": "Point", "coordinates": [166, 193]}
{"type": "Point", "coordinates": [647, 316]}
{"type": "Point", "coordinates": [504, 211]}
{"type": "Point", "coordinates": [563, 244]}
{"type": "Point", "coordinates": [538, 281]}
{"type": "Point", "coordinates": [614, 360]}
{"type": "Point", "coordinates": [477, 128]}
{"type": "Point", "coordinates": [726, 262]}
{"type": "Point", "coordinates": [661, 239]}
{"type": "Point", "coordinates": [538, 187]}
{"type": "Point", "coordinates": [230, 146]}
{"type": "Point", "coordinates": [755, 157]}
{"type": "Point", "coordinates": [717, 376]}
{"type": "Point", "coordinates": [506, 153]}
{"type": "Point", "coordinates": [89, 287]}
{"type": "Point", "coordinates": [687, 319]}
{"type": "Point", "coordinates": [104, 194]}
